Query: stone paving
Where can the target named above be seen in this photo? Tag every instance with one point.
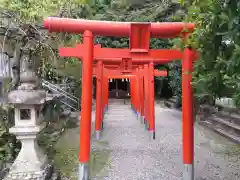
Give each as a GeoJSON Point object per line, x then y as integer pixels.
{"type": "Point", "coordinates": [136, 157]}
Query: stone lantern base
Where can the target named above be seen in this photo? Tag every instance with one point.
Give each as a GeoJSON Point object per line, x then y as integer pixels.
{"type": "Point", "coordinates": [27, 176]}
{"type": "Point", "coordinates": [31, 163]}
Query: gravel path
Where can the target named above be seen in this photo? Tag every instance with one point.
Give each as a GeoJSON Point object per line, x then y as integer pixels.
{"type": "Point", "coordinates": [135, 157]}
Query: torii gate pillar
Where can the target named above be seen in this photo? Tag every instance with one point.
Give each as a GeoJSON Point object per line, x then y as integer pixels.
{"type": "Point", "coordinates": [99, 100]}
{"type": "Point", "coordinates": [187, 115]}
{"type": "Point", "coordinates": [86, 112]}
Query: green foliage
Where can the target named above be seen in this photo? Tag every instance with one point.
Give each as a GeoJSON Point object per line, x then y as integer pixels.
{"type": "Point", "coordinates": [9, 146]}
{"type": "Point", "coordinates": [175, 82]}
{"type": "Point", "coordinates": [23, 19]}
{"type": "Point", "coordinates": [27, 17]}
{"type": "Point", "coordinates": [32, 11]}
{"type": "Point", "coordinates": [217, 39]}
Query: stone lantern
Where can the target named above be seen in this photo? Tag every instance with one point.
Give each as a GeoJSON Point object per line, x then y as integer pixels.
{"type": "Point", "coordinates": [27, 100]}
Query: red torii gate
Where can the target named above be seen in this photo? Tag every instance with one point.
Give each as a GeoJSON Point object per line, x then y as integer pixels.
{"type": "Point", "coordinates": [138, 52]}
{"type": "Point", "coordinates": [100, 72]}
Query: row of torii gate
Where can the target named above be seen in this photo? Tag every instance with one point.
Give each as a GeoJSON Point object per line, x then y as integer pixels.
{"type": "Point", "coordinates": [136, 63]}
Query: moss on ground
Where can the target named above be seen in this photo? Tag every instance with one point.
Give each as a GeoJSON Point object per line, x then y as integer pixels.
{"type": "Point", "coordinates": [66, 156]}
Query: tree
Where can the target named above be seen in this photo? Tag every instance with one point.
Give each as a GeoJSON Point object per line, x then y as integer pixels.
{"type": "Point", "coordinates": [24, 19]}
{"type": "Point", "coordinates": [217, 39]}
{"type": "Point", "coordinates": [21, 21]}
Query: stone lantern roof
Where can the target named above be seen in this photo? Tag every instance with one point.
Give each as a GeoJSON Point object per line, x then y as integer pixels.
{"type": "Point", "coordinates": [27, 97]}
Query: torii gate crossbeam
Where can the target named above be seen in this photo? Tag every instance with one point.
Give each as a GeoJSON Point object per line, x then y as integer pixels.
{"type": "Point", "coordinates": [113, 28]}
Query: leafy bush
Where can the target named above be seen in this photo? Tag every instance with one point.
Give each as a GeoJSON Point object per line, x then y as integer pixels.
{"type": "Point", "coordinates": [9, 145]}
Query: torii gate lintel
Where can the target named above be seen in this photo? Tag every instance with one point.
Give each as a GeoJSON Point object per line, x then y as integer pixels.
{"type": "Point", "coordinates": [115, 54]}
